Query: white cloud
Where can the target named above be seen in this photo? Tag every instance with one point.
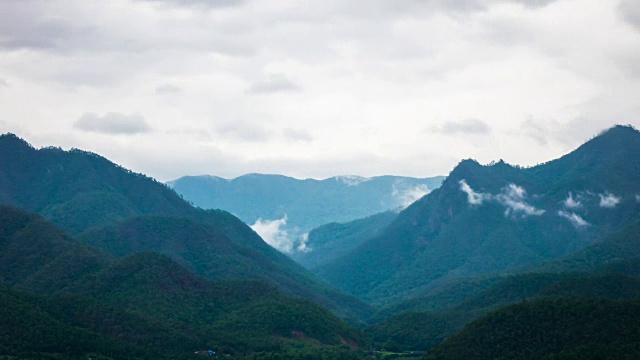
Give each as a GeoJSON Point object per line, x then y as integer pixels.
{"type": "Point", "coordinates": [608, 200]}
{"type": "Point", "coordinates": [273, 232]}
{"type": "Point", "coordinates": [273, 84]}
{"type": "Point", "coordinates": [112, 123]}
{"type": "Point", "coordinates": [572, 203]}
{"type": "Point", "coordinates": [469, 126]}
{"type": "Point", "coordinates": [512, 197]}
{"type": "Point", "coordinates": [574, 218]}
{"type": "Point", "coordinates": [302, 243]}
{"type": "Point", "coordinates": [406, 196]}
{"type": "Point", "coordinates": [473, 197]}
{"type": "Point", "coordinates": [351, 180]}
{"type": "Point", "coordinates": [370, 85]}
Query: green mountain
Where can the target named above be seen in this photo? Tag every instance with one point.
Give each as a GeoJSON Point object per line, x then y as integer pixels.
{"type": "Point", "coordinates": [415, 330]}
{"type": "Point", "coordinates": [334, 240]}
{"type": "Point", "coordinates": [125, 212]}
{"type": "Point", "coordinates": [207, 252]}
{"type": "Point", "coordinates": [305, 204]}
{"type": "Point", "coordinates": [144, 305]}
{"type": "Point", "coordinates": [607, 269]}
{"type": "Point", "coordinates": [496, 219]}
{"type": "Point", "coordinates": [550, 329]}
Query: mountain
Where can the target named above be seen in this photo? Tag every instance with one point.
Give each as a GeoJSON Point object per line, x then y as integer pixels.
{"type": "Point", "coordinates": [304, 204]}
{"type": "Point", "coordinates": [206, 251]}
{"type": "Point", "coordinates": [331, 241]}
{"type": "Point", "coordinates": [95, 199]}
{"type": "Point", "coordinates": [143, 305]}
{"type": "Point", "coordinates": [495, 219]}
{"type": "Point", "coordinates": [550, 329]}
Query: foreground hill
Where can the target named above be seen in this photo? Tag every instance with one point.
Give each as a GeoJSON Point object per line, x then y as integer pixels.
{"type": "Point", "coordinates": [306, 204]}
{"type": "Point", "coordinates": [487, 220]}
{"type": "Point", "coordinates": [550, 329]}
{"type": "Point", "coordinates": [142, 305]}
{"type": "Point", "coordinates": [86, 194]}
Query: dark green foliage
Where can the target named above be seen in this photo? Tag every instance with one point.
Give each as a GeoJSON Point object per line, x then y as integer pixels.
{"type": "Point", "coordinates": [550, 329]}
{"type": "Point", "coordinates": [621, 246]}
{"type": "Point", "coordinates": [333, 240]}
{"type": "Point", "coordinates": [410, 331]}
{"type": "Point", "coordinates": [442, 238]}
{"type": "Point", "coordinates": [306, 203]}
{"type": "Point", "coordinates": [209, 252]}
{"type": "Point", "coordinates": [143, 305]}
{"type": "Point", "coordinates": [426, 329]}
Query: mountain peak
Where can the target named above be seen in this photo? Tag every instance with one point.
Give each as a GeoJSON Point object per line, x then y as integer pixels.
{"type": "Point", "coordinates": [13, 140]}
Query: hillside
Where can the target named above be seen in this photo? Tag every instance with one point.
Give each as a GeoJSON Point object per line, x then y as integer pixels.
{"type": "Point", "coordinates": [143, 304]}
{"type": "Point", "coordinates": [428, 322]}
{"type": "Point", "coordinates": [84, 193]}
{"type": "Point", "coordinates": [305, 204]}
{"type": "Point", "coordinates": [494, 219]}
{"type": "Point", "coordinates": [328, 242]}
{"type": "Point", "coordinates": [550, 329]}
{"type": "Point", "coordinates": [207, 252]}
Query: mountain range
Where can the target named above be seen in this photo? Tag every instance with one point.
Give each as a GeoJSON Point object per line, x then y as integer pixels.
{"type": "Point", "coordinates": [121, 212]}
{"type": "Point", "coordinates": [496, 219]}
{"type": "Point", "coordinates": [294, 207]}
{"type": "Point", "coordinates": [499, 262]}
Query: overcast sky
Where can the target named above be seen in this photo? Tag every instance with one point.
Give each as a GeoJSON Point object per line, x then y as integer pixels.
{"type": "Point", "coordinates": [317, 88]}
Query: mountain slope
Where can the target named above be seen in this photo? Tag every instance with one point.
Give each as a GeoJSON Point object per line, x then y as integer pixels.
{"type": "Point", "coordinates": [492, 219]}
{"type": "Point", "coordinates": [207, 252]}
{"type": "Point", "coordinates": [86, 194]}
{"type": "Point", "coordinates": [331, 241]}
{"type": "Point", "coordinates": [144, 303]}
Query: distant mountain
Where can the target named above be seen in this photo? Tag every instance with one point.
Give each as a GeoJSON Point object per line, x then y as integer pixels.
{"type": "Point", "coordinates": [124, 212]}
{"type": "Point", "coordinates": [144, 305]}
{"type": "Point", "coordinates": [495, 219]}
{"type": "Point", "coordinates": [302, 205]}
{"type": "Point", "coordinates": [328, 242]}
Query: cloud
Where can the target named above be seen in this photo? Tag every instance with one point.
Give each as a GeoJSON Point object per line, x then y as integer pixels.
{"type": "Point", "coordinates": [572, 203]}
{"type": "Point", "coordinates": [407, 196]}
{"type": "Point", "coordinates": [608, 200]}
{"type": "Point", "coordinates": [297, 135]}
{"type": "Point", "coordinates": [112, 123]}
{"type": "Point", "coordinates": [469, 126]}
{"type": "Point", "coordinates": [199, 3]}
{"type": "Point", "coordinates": [4, 82]}
{"type": "Point", "coordinates": [245, 131]}
{"type": "Point", "coordinates": [274, 84]}
{"type": "Point", "coordinates": [629, 10]}
{"type": "Point", "coordinates": [274, 233]}
{"type": "Point", "coordinates": [534, 3]}
{"type": "Point", "coordinates": [637, 198]}
{"type": "Point", "coordinates": [473, 197]}
{"type": "Point", "coordinates": [574, 218]}
{"type": "Point", "coordinates": [351, 180]}
{"type": "Point", "coordinates": [302, 244]}
{"type": "Point", "coordinates": [512, 197]}
{"type": "Point", "coordinates": [168, 89]}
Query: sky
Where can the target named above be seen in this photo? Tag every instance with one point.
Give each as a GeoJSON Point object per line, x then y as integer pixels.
{"type": "Point", "coordinates": [317, 88]}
